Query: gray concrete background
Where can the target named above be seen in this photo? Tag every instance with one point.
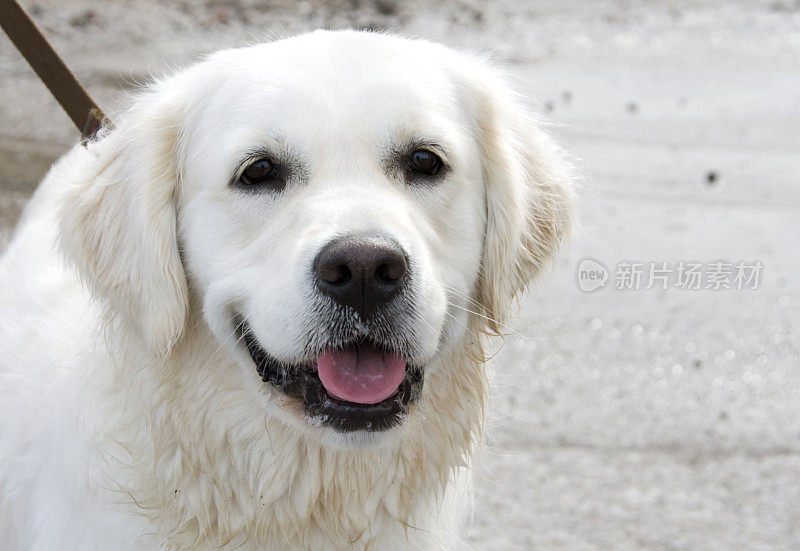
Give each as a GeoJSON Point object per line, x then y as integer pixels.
{"type": "Point", "coordinates": [650, 419]}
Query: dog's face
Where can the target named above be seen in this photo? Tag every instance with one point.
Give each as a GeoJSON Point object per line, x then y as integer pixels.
{"type": "Point", "coordinates": [343, 203]}
{"type": "Point", "coordinates": [336, 222]}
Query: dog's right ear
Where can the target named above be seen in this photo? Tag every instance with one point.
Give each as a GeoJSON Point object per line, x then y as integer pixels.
{"type": "Point", "coordinates": [118, 220]}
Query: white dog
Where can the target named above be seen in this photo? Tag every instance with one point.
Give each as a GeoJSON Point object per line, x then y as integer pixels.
{"type": "Point", "coordinates": [251, 315]}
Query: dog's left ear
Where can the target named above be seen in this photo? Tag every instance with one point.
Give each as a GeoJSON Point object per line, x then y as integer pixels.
{"type": "Point", "coordinates": [118, 220]}
{"type": "Point", "coordinates": [529, 194]}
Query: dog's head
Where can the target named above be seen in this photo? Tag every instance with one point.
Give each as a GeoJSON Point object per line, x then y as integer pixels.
{"type": "Point", "coordinates": [344, 205]}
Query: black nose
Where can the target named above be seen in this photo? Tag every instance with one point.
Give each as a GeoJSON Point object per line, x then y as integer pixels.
{"type": "Point", "coordinates": [361, 272]}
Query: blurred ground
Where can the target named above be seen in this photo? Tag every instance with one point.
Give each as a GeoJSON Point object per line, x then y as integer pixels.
{"type": "Point", "coordinates": [650, 419]}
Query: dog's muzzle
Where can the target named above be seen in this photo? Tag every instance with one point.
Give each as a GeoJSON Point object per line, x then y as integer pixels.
{"type": "Point", "coordinates": [362, 380]}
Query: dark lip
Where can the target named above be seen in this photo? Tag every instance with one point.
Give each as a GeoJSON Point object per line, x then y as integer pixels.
{"type": "Point", "coordinates": [301, 381]}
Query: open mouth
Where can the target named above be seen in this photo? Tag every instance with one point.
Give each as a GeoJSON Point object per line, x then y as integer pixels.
{"type": "Point", "coordinates": [360, 386]}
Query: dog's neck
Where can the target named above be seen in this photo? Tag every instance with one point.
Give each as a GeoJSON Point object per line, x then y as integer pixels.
{"type": "Point", "coordinates": [222, 471]}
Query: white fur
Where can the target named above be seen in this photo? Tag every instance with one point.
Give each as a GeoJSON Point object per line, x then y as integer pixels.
{"type": "Point", "coordinates": [130, 418]}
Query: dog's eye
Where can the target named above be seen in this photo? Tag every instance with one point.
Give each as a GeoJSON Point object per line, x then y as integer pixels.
{"type": "Point", "coordinates": [262, 173]}
{"type": "Point", "coordinates": [425, 162]}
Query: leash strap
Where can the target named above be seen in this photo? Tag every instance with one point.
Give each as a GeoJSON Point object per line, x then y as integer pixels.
{"type": "Point", "coordinates": [51, 69]}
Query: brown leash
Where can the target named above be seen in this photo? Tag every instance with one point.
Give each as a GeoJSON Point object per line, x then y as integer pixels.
{"type": "Point", "coordinates": [51, 69]}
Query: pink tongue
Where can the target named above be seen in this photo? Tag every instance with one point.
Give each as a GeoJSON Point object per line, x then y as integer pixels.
{"type": "Point", "coordinates": [361, 374]}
